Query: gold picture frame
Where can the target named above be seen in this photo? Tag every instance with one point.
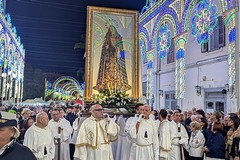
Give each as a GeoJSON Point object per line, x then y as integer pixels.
{"type": "Point", "coordinates": [111, 30]}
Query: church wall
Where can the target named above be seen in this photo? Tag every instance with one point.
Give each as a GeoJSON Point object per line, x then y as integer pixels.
{"type": "Point", "coordinates": [208, 70]}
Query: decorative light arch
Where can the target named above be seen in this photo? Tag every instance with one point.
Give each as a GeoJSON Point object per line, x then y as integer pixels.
{"type": "Point", "coordinates": [66, 85]}
{"type": "Point", "coordinates": [189, 5]}
{"type": "Point", "coordinates": [143, 43]}
{"type": "Point", "coordinates": [227, 4]}
{"type": "Point", "coordinates": [149, 3]}
{"type": "Point", "coordinates": [187, 14]}
{"type": "Point", "coordinates": [143, 35]}
{"type": "Point", "coordinates": [68, 78]}
{"type": "Point", "coordinates": [170, 16]}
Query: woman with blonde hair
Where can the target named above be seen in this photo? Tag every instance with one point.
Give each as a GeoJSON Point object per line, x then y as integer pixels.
{"type": "Point", "coordinates": [196, 141]}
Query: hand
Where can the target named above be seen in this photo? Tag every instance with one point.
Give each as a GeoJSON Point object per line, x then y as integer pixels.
{"type": "Point", "coordinates": [140, 118]}
{"type": "Point", "coordinates": [205, 149]}
{"type": "Point", "coordinates": [179, 134]}
{"type": "Point", "coordinates": [106, 117]}
{"type": "Point", "coordinates": [181, 141]}
{"type": "Point", "coordinates": [58, 136]}
{"type": "Point", "coordinates": [230, 132]}
{"type": "Point", "coordinates": [236, 158]}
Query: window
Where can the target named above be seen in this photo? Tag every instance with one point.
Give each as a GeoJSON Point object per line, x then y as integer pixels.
{"type": "Point", "coordinates": [170, 54]}
{"type": "Point", "coordinates": [170, 101]}
{"type": "Point", "coordinates": [217, 39]}
{"type": "Point", "coordinates": [143, 51]}
{"type": "Point", "coordinates": [144, 88]}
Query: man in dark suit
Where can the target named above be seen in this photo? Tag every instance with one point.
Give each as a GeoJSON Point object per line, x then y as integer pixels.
{"type": "Point", "coordinates": [74, 114]}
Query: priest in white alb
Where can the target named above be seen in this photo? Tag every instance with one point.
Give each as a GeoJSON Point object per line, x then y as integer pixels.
{"type": "Point", "coordinates": [61, 130]}
{"type": "Point", "coordinates": [164, 136]}
{"type": "Point", "coordinates": [145, 136]}
{"type": "Point", "coordinates": [179, 137]}
{"type": "Point", "coordinates": [38, 138]}
{"type": "Point", "coordinates": [95, 136]}
{"type": "Point", "coordinates": [131, 122]}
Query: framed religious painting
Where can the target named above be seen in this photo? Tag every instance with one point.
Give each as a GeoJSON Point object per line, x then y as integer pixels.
{"type": "Point", "coordinates": [112, 61]}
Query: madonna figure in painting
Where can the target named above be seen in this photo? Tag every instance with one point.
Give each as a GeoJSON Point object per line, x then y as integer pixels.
{"type": "Point", "coordinates": [112, 73]}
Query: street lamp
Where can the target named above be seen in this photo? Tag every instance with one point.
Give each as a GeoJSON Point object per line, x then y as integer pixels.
{"type": "Point", "coordinates": [198, 90]}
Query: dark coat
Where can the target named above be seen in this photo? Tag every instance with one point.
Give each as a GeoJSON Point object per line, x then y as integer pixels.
{"type": "Point", "coordinates": [17, 151]}
{"type": "Point", "coordinates": [216, 146]}
{"type": "Point", "coordinates": [71, 117]}
{"type": "Point", "coordinates": [20, 122]}
{"type": "Point", "coordinates": [207, 134]}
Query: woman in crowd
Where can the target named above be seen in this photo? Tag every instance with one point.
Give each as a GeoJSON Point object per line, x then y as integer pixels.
{"type": "Point", "coordinates": [232, 121]}
{"type": "Point", "coordinates": [196, 142]}
{"type": "Point", "coordinates": [28, 123]}
{"type": "Point", "coordinates": [215, 147]}
{"type": "Point", "coordinates": [235, 145]}
{"type": "Point", "coordinates": [205, 131]}
{"type": "Point", "coordinates": [215, 117]}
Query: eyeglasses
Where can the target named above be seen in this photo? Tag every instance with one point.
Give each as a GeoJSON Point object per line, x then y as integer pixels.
{"type": "Point", "coordinates": [99, 110]}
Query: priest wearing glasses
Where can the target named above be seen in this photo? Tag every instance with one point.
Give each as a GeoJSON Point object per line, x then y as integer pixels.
{"type": "Point", "coordinates": [95, 136]}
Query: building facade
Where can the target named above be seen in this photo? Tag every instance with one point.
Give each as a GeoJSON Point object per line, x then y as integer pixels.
{"type": "Point", "coordinates": [12, 59]}
{"type": "Point", "coordinates": [189, 58]}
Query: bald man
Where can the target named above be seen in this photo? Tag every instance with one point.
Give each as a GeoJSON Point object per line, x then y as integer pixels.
{"type": "Point", "coordinates": [145, 136]}
{"type": "Point", "coordinates": [95, 136]}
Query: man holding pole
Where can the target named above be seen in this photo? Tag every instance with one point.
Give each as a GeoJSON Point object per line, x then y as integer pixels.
{"type": "Point", "coordinates": [61, 131]}
{"type": "Point", "coordinates": [179, 137]}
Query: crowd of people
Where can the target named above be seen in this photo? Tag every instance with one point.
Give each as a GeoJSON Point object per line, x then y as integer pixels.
{"type": "Point", "coordinates": [67, 134]}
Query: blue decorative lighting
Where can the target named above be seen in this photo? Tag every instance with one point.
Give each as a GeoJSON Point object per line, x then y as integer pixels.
{"type": "Point", "coordinates": [231, 4]}
{"type": "Point", "coordinates": [204, 21]}
{"type": "Point", "coordinates": [232, 35]}
{"type": "Point", "coordinates": [122, 54]}
{"type": "Point", "coordinates": [163, 41]}
{"type": "Point", "coordinates": [180, 54]}
{"type": "Point", "coordinates": [150, 64]}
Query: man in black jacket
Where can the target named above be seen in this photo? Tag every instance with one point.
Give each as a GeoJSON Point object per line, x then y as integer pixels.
{"type": "Point", "coordinates": [9, 148]}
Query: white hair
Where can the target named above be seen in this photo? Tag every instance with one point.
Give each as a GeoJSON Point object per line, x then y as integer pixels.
{"type": "Point", "coordinates": [39, 116]}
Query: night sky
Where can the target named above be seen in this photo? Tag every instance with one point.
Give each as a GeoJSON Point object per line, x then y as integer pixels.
{"type": "Point", "coordinates": [49, 30]}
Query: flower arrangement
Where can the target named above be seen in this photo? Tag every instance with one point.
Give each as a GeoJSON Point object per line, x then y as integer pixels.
{"type": "Point", "coordinates": [117, 99]}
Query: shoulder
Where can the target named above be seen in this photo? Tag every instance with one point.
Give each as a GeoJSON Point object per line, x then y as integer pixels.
{"type": "Point", "coordinates": [199, 133]}
{"type": "Point", "coordinates": [151, 121]}
{"type": "Point", "coordinates": [23, 151]}
{"type": "Point", "coordinates": [22, 148]}
{"type": "Point", "coordinates": [87, 121]}
{"type": "Point", "coordinates": [20, 121]}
